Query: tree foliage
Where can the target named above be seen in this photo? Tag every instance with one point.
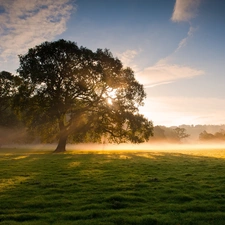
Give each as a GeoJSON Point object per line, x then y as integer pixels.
{"type": "Point", "coordinates": [8, 83]}
{"type": "Point", "coordinates": [70, 91]}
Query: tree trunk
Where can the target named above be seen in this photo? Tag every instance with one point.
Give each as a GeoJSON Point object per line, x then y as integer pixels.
{"type": "Point", "coordinates": [61, 144]}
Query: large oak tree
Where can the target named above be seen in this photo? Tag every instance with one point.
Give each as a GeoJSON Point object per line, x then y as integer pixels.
{"type": "Point", "coordinates": [72, 92]}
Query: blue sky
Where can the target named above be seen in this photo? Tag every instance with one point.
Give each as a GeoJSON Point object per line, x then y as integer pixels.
{"type": "Point", "coordinates": [175, 47]}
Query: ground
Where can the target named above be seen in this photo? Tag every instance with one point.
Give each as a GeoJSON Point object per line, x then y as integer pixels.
{"type": "Point", "coordinates": [176, 186]}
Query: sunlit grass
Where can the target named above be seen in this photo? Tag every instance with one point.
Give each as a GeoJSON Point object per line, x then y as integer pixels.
{"type": "Point", "coordinates": [112, 187]}
{"type": "Point", "coordinates": [11, 182]}
{"type": "Point", "coordinates": [21, 157]}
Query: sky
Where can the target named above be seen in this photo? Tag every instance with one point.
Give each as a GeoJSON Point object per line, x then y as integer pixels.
{"type": "Point", "coordinates": [176, 48]}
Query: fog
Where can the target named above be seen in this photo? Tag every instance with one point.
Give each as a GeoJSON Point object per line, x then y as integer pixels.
{"type": "Point", "coordinates": [12, 135]}
{"type": "Point", "coordinates": [155, 146]}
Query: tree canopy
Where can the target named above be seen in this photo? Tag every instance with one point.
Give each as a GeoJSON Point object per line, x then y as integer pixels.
{"type": "Point", "coordinates": [71, 92]}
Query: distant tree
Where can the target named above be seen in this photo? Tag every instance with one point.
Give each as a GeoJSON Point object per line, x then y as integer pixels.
{"type": "Point", "coordinates": [70, 91]}
{"type": "Point", "coordinates": [180, 133]}
{"type": "Point", "coordinates": [159, 133]}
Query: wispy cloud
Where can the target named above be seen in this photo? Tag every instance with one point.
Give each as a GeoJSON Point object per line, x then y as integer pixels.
{"type": "Point", "coordinates": [24, 24]}
{"type": "Point", "coordinates": [127, 58]}
{"type": "Point", "coordinates": [184, 41]}
{"type": "Point", "coordinates": [185, 10]}
{"type": "Point", "coordinates": [162, 73]}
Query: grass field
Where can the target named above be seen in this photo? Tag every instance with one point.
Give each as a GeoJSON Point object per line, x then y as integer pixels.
{"type": "Point", "coordinates": [112, 187]}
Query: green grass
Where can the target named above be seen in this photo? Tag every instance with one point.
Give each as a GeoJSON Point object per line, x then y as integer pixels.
{"type": "Point", "coordinates": [136, 188]}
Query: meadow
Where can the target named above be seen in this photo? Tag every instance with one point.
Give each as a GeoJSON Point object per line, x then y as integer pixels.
{"type": "Point", "coordinates": [112, 187]}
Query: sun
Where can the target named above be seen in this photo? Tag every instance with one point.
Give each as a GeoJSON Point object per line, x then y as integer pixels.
{"type": "Point", "coordinates": [109, 101]}
{"type": "Point", "coordinates": [110, 96]}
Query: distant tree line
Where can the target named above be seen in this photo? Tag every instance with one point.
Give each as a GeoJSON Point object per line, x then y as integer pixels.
{"type": "Point", "coordinates": [218, 136]}
{"type": "Point", "coordinates": [196, 130]}
{"type": "Point", "coordinates": [193, 133]}
{"type": "Point", "coordinates": [171, 134]}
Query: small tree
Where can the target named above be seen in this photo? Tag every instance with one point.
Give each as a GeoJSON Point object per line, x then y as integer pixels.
{"type": "Point", "coordinates": [159, 133]}
{"type": "Point", "coordinates": [180, 133]}
{"type": "Point", "coordinates": [10, 126]}
{"type": "Point", "coordinates": [7, 90]}
{"type": "Point", "coordinates": [71, 91]}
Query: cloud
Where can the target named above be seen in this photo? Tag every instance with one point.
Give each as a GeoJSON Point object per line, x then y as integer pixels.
{"type": "Point", "coordinates": [185, 10]}
{"type": "Point", "coordinates": [127, 58]}
{"type": "Point", "coordinates": [184, 41]}
{"type": "Point", "coordinates": [24, 24]}
{"type": "Point", "coordinates": [163, 73]}
{"type": "Point", "coordinates": [174, 111]}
